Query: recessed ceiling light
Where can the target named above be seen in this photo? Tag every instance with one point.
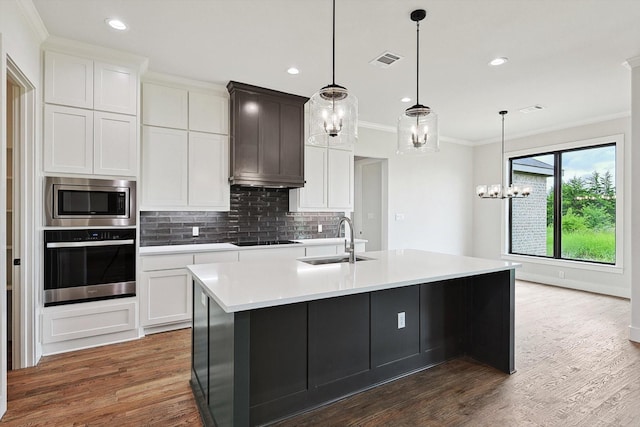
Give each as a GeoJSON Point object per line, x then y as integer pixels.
{"type": "Point", "coordinates": [406, 99]}
{"type": "Point", "coordinates": [293, 71]}
{"type": "Point", "coordinates": [498, 61]}
{"type": "Point", "coordinates": [116, 24]}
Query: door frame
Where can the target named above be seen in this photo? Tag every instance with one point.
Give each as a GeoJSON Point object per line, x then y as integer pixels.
{"type": "Point", "coordinates": [24, 301]}
{"type": "Point", "coordinates": [384, 205]}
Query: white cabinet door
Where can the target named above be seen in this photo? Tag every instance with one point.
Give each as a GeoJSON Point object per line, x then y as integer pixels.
{"type": "Point", "coordinates": [164, 106]}
{"type": "Point", "coordinates": [115, 144]}
{"type": "Point", "coordinates": [68, 80]}
{"type": "Point", "coordinates": [271, 254]}
{"type": "Point", "coordinates": [164, 167]}
{"type": "Point", "coordinates": [115, 88]}
{"type": "Point", "coordinates": [208, 113]}
{"type": "Point", "coordinates": [68, 140]}
{"type": "Point", "coordinates": [314, 192]}
{"type": "Point", "coordinates": [165, 297]}
{"type": "Point", "coordinates": [208, 170]}
{"type": "Point", "coordinates": [340, 179]}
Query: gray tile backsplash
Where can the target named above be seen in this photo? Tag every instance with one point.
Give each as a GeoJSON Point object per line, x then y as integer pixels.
{"type": "Point", "coordinates": [256, 214]}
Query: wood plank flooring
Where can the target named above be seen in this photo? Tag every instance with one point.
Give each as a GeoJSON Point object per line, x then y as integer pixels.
{"type": "Point", "coordinates": [575, 365]}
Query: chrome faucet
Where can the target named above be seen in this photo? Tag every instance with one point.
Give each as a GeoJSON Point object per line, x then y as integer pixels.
{"type": "Point", "coordinates": [349, 247]}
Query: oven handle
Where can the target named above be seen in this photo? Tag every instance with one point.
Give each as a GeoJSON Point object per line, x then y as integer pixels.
{"type": "Point", "coordinates": [90, 243]}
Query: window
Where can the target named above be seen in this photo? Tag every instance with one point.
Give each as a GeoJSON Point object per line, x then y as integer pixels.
{"type": "Point", "coordinates": [571, 212]}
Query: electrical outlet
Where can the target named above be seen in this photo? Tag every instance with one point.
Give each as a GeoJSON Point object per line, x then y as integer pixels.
{"type": "Point", "coordinates": [319, 228]}
{"type": "Point", "coordinates": [561, 274]}
{"type": "Point", "coordinates": [401, 320]}
{"type": "Point", "coordinates": [195, 231]}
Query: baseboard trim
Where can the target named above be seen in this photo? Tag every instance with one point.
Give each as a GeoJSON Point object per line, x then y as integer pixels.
{"type": "Point", "coordinates": [634, 333]}
{"type": "Point", "coordinates": [575, 284]}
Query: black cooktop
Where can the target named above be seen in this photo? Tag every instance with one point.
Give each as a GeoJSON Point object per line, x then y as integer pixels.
{"type": "Point", "coordinates": [266, 242]}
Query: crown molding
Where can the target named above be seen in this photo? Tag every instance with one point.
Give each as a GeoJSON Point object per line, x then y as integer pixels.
{"type": "Point", "coordinates": [170, 79]}
{"type": "Point", "coordinates": [633, 62]}
{"type": "Point", "coordinates": [62, 45]}
{"type": "Point", "coordinates": [31, 13]}
{"type": "Point", "coordinates": [593, 120]}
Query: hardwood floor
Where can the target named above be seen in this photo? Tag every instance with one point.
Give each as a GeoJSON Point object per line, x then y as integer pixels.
{"type": "Point", "coordinates": [138, 383]}
{"type": "Point", "coordinates": [575, 365]}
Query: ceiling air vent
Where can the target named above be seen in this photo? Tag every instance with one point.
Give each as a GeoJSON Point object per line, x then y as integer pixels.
{"type": "Point", "coordinates": [385, 60]}
{"type": "Point", "coordinates": [531, 109]}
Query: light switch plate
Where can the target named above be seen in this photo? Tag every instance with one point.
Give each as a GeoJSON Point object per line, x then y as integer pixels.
{"type": "Point", "coordinates": [319, 228]}
{"type": "Point", "coordinates": [195, 232]}
{"type": "Point", "coordinates": [401, 320]}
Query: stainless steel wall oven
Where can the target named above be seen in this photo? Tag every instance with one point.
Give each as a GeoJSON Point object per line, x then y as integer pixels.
{"type": "Point", "coordinates": [88, 265]}
{"type": "Point", "coordinates": [71, 202]}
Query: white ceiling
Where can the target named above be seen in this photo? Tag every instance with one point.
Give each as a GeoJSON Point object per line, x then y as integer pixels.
{"type": "Point", "coordinates": [566, 55]}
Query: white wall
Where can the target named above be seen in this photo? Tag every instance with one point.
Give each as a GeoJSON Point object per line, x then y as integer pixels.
{"type": "Point", "coordinates": [488, 235]}
{"type": "Point", "coordinates": [432, 191]}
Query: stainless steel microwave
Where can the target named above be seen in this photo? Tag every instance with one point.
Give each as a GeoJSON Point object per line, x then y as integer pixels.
{"type": "Point", "coordinates": [71, 202]}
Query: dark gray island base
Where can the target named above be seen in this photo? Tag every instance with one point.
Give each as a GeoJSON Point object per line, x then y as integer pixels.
{"type": "Point", "coordinates": [258, 366]}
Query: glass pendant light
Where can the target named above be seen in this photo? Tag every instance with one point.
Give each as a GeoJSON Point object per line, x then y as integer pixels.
{"type": "Point", "coordinates": [418, 125]}
{"type": "Point", "coordinates": [502, 191]}
{"type": "Point", "coordinates": [333, 112]}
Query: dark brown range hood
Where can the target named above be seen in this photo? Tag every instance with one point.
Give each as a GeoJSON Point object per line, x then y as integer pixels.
{"type": "Point", "coordinates": [266, 137]}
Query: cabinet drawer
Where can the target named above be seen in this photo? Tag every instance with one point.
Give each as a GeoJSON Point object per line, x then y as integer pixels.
{"type": "Point", "coordinates": [166, 262]}
{"type": "Point", "coordinates": [209, 257]}
{"type": "Point", "coordinates": [93, 319]}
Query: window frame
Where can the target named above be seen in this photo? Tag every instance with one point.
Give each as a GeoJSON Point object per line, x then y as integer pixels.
{"type": "Point", "coordinates": [557, 150]}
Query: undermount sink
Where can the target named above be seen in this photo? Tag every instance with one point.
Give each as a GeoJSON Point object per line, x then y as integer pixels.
{"type": "Point", "coordinates": [333, 259]}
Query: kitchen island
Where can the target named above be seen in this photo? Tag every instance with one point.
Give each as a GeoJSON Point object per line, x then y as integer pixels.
{"type": "Point", "coordinates": [272, 339]}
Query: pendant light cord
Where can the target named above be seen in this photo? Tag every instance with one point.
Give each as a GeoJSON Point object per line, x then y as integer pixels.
{"type": "Point", "coordinates": [417, 62]}
{"type": "Point", "coordinates": [334, 42]}
{"type": "Point", "coordinates": [502, 182]}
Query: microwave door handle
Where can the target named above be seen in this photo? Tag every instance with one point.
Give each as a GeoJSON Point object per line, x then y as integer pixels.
{"type": "Point", "coordinates": [89, 243]}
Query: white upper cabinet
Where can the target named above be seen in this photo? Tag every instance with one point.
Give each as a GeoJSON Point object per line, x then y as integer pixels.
{"type": "Point", "coordinates": [165, 106]}
{"type": "Point", "coordinates": [68, 80]}
{"type": "Point", "coordinates": [328, 187]}
{"type": "Point", "coordinates": [200, 115]}
{"type": "Point", "coordinates": [90, 120]}
{"type": "Point", "coordinates": [164, 167]}
{"type": "Point", "coordinates": [208, 170]}
{"type": "Point", "coordinates": [340, 179]}
{"type": "Point", "coordinates": [115, 88]}
{"type": "Point", "coordinates": [67, 131]}
{"type": "Point", "coordinates": [114, 147]}
{"type": "Point", "coordinates": [208, 113]}
{"type": "Point", "coordinates": [314, 192]}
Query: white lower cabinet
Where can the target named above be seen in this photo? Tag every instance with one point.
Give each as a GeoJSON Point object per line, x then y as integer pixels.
{"type": "Point", "coordinates": [75, 326]}
{"type": "Point", "coordinates": [166, 297]}
{"type": "Point", "coordinates": [165, 288]}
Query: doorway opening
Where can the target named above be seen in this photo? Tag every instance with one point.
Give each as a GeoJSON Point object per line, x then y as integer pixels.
{"type": "Point", "coordinates": [18, 223]}
{"type": "Point", "coordinates": [371, 202]}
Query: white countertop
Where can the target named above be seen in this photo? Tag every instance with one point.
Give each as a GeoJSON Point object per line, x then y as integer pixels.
{"type": "Point", "coordinates": [213, 247]}
{"type": "Point", "coordinates": [247, 285]}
